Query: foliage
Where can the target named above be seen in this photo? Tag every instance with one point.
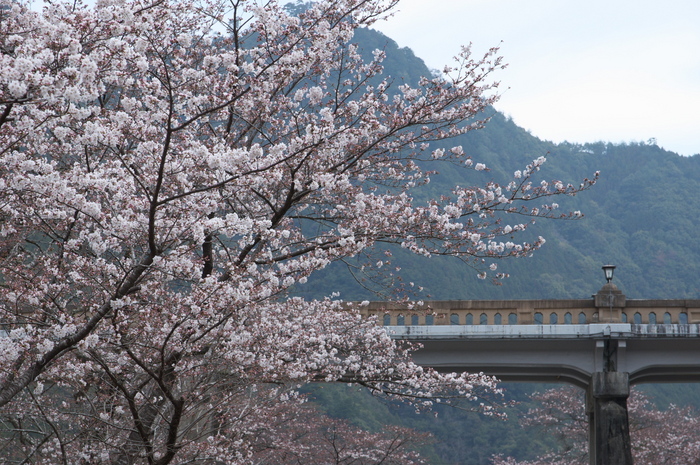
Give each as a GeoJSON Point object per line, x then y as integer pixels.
{"type": "Point", "coordinates": [298, 435]}
{"type": "Point", "coordinates": [460, 437]}
{"type": "Point", "coordinates": [163, 187]}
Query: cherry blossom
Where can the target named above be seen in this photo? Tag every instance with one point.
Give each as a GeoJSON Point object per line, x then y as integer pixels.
{"type": "Point", "coordinates": [299, 434]}
{"type": "Point", "coordinates": [164, 186]}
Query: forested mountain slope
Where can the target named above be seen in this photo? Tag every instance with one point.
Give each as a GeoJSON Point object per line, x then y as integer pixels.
{"type": "Point", "coordinates": [641, 216]}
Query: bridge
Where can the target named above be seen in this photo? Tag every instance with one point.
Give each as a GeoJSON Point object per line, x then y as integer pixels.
{"type": "Point", "coordinates": [603, 344]}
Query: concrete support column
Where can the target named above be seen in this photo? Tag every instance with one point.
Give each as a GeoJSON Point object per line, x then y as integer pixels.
{"type": "Point", "coordinates": [609, 433]}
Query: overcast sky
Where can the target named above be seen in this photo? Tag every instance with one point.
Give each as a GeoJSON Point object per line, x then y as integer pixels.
{"type": "Point", "coordinates": [610, 70]}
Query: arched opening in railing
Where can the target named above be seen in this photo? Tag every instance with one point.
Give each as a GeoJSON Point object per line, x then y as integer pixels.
{"type": "Point", "coordinates": [414, 320]}
{"type": "Point", "coordinates": [683, 318]}
{"type": "Point", "coordinates": [497, 320]}
{"type": "Point", "coordinates": [553, 318]}
{"type": "Point", "coordinates": [470, 319]}
{"type": "Point", "coordinates": [568, 319]}
{"type": "Point", "coordinates": [513, 319]}
{"type": "Point", "coordinates": [623, 317]}
{"type": "Point", "coordinates": [652, 318]}
{"type": "Point", "coordinates": [400, 320]}
{"type": "Point", "coordinates": [667, 318]}
{"type": "Point", "coordinates": [637, 318]}
{"type": "Point", "coordinates": [538, 318]}
{"type": "Point", "coordinates": [387, 319]}
{"type": "Point", "coordinates": [429, 320]}
{"type": "Point", "coordinates": [483, 319]}
{"type": "Point", "coordinates": [582, 318]}
{"type": "Point", "coordinates": [454, 319]}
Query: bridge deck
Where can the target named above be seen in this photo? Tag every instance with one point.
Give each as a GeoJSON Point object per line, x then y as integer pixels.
{"type": "Point", "coordinates": [560, 353]}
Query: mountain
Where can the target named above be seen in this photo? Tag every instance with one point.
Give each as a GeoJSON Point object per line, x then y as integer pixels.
{"type": "Point", "coordinates": [642, 215]}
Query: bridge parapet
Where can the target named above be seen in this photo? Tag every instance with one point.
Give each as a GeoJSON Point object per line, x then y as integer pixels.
{"type": "Point", "coordinates": [528, 312]}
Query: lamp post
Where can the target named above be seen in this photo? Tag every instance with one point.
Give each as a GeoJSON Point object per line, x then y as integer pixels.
{"type": "Point", "coordinates": [609, 270]}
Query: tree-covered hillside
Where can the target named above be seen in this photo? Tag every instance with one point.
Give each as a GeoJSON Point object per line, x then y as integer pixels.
{"type": "Point", "coordinates": [641, 216]}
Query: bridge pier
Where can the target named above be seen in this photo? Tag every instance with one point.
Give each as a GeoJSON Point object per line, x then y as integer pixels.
{"type": "Point", "coordinates": [608, 422]}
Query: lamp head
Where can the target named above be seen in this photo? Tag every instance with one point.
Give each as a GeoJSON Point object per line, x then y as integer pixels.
{"type": "Point", "coordinates": [608, 270]}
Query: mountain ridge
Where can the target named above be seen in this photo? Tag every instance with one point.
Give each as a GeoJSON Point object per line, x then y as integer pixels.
{"type": "Point", "coordinates": [640, 216]}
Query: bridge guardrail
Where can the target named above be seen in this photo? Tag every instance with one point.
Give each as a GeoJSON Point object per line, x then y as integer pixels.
{"type": "Point", "coordinates": [509, 312]}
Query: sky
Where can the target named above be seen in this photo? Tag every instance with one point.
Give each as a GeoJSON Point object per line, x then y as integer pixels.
{"type": "Point", "coordinates": [580, 71]}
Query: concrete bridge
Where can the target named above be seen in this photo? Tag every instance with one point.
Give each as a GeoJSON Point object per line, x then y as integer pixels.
{"type": "Point", "coordinates": [603, 345]}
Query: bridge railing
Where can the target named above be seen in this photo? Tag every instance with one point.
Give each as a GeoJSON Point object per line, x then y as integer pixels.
{"type": "Point", "coordinates": [529, 312]}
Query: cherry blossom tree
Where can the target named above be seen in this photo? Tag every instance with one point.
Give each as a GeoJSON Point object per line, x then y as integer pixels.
{"type": "Point", "coordinates": [303, 435]}
{"type": "Point", "coordinates": [668, 436]}
{"type": "Point", "coordinates": [163, 186]}
{"type": "Point", "coordinates": [275, 432]}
